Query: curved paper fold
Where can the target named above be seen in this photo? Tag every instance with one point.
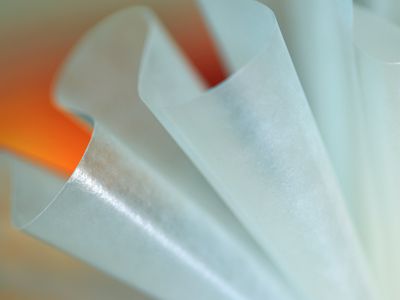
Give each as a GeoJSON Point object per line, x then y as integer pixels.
{"type": "Point", "coordinates": [320, 42]}
{"type": "Point", "coordinates": [254, 139]}
{"type": "Point", "coordinates": [138, 208]}
{"type": "Point", "coordinates": [29, 269]}
{"type": "Point", "coordinates": [135, 206]}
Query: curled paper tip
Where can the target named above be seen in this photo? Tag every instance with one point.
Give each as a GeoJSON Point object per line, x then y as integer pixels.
{"type": "Point", "coordinates": [249, 33]}
{"type": "Point", "coordinates": [230, 192]}
{"type": "Point", "coordinates": [135, 206]}
{"type": "Point", "coordinates": [36, 188]}
{"type": "Point", "coordinates": [257, 115]}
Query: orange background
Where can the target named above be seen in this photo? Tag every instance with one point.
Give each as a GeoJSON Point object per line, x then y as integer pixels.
{"type": "Point", "coordinates": [35, 38]}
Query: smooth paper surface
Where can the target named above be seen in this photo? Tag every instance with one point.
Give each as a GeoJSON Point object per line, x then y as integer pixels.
{"type": "Point", "coordinates": [136, 207]}
{"type": "Point", "coordinates": [278, 183]}
{"type": "Point", "coordinates": [255, 140]}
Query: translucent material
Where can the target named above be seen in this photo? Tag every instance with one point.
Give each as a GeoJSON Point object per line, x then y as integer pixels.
{"type": "Point", "coordinates": [254, 138]}
{"type": "Point", "coordinates": [30, 269]}
{"type": "Point", "coordinates": [386, 8]}
{"type": "Point", "coordinates": [319, 38]}
{"type": "Point", "coordinates": [378, 53]}
{"type": "Point", "coordinates": [233, 192]}
{"type": "Point", "coordinates": [135, 206]}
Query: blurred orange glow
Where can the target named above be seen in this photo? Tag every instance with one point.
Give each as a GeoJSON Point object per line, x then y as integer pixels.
{"type": "Point", "coordinates": [30, 125]}
{"type": "Point", "coordinates": [41, 132]}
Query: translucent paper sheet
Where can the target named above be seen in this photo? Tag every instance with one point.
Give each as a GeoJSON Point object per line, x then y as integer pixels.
{"type": "Point", "coordinates": [378, 54]}
{"type": "Point", "coordinates": [319, 39]}
{"type": "Point", "coordinates": [389, 9]}
{"type": "Point", "coordinates": [135, 206]}
{"type": "Point", "coordinates": [230, 193]}
{"type": "Point", "coordinates": [30, 269]}
{"type": "Point", "coordinates": [255, 140]}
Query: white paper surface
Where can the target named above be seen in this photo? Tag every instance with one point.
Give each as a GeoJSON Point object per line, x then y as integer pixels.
{"type": "Point", "coordinates": [255, 140]}
{"type": "Point", "coordinates": [135, 206]}
{"type": "Point", "coordinates": [278, 183]}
